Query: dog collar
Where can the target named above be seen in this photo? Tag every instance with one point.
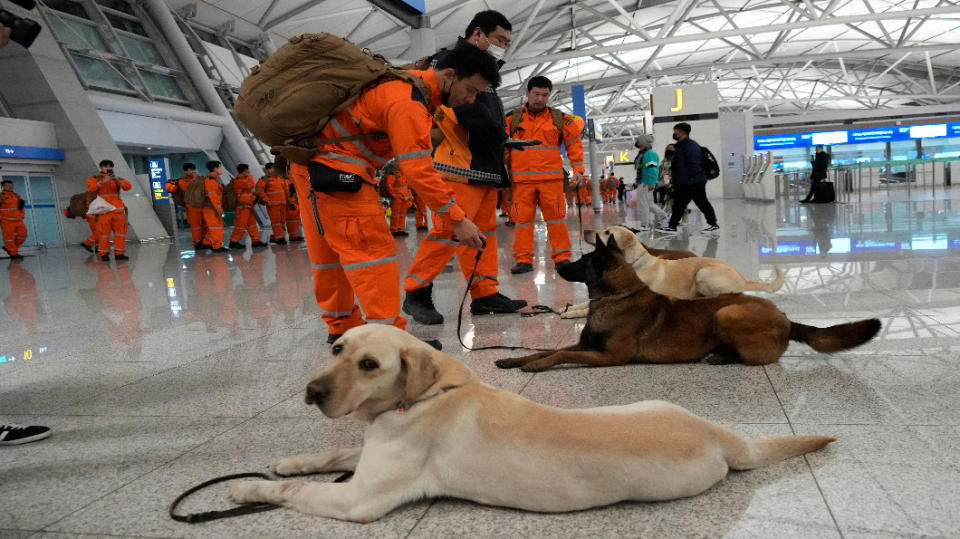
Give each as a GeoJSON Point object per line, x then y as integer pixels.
{"type": "Point", "coordinates": [403, 406]}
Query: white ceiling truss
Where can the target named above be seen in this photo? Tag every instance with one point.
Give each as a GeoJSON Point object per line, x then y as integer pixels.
{"type": "Point", "coordinates": [771, 57]}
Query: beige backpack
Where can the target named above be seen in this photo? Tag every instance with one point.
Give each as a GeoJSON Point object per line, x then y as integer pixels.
{"type": "Point", "coordinates": [196, 196]}
{"type": "Point", "coordinates": [288, 99]}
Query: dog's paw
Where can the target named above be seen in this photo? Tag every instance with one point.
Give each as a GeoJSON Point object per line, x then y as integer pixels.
{"type": "Point", "coordinates": [507, 363]}
{"type": "Point", "coordinates": [290, 466]}
{"type": "Point", "coordinates": [249, 491]}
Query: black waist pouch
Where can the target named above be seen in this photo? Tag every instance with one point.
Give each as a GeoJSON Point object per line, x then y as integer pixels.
{"type": "Point", "coordinates": [324, 179]}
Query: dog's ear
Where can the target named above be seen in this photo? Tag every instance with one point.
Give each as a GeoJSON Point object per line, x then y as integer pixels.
{"type": "Point", "coordinates": [612, 244]}
{"type": "Point", "coordinates": [420, 372]}
{"type": "Point", "coordinates": [600, 246]}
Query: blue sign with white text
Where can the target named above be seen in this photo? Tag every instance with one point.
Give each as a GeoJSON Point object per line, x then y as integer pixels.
{"type": "Point", "coordinates": [31, 152]}
{"type": "Point", "coordinates": [158, 181]}
{"type": "Point", "coordinates": [855, 136]}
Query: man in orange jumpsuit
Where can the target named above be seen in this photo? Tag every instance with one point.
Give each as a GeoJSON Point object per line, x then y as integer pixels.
{"type": "Point", "coordinates": [107, 186]}
{"type": "Point", "coordinates": [537, 174]}
{"type": "Point", "coordinates": [471, 160]}
{"type": "Point", "coordinates": [400, 201]}
{"type": "Point", "coordinates": [194, 215]}
{"type": "Point", "coordinates": [586, 191]}
{"type": "Point", "coordinates": [349, 243]}
{"type": "Point", "coordinates": [213, 207]}
{"type": "Point", "coordinates": [272, 191]}
{"type": "Point", "coordinates": [245, 221]}
{"type": "Point", "coordinates": [11, 220]}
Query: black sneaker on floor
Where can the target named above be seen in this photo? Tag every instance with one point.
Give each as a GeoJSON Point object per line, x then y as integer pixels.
{"type": "Point", "coordinates": [422, 228]}
{"type": "Point", "coordinates": [419, 304]}
{"type": "Point", "coordinates": [521, 267]}
{"type": "Point", "coordinates": [711, 228]}
{"type": "Point", "coordinates": [667, 229]}
{"type": "Point", "coordinates": [400, 233]}
{"type": "Point", "coordinates": [105, 258]}
{"type": "Point", "coordinates": [20, 434]}
{"type": "Point", "coordinates": [281, 241]}
{"type": "Point", "coordinates": [121, 257]}
{"type": "Point", "coordinates": [16, 257]}
{"type": "Point", "coordinates": [220, 249]}
{"type": "Point", "coordinates": [496, 303]}
{"type": "Point", "coordinates": [89, 248]}
{"type": "Point", "coordinates": [510, 223]}
{"type": "Point", "coordinates": [331, 338]}
{"type": "Point", "coordinates": [237, 245]}
{"type": "Point", "coordinates": [258, 243]}
{"type": "Point", "coordinates": [298, 238]}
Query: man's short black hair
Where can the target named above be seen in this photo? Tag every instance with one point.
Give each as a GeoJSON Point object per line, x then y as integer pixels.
{"type": "Point", "coordinates": [6, 181]}
{"type": "Point", "coordinates": [106, 163]}
{"type": "Point", "coordinates": [267, 165]}
{"type": "Point", "coordinates": [189, 166]}
{"type": "Point", "coordinates": [819, 146]}
{"type": "Point", "coordinates": [470, 61]}
{"type": "Point", "coordinates": [213, 165]}
{"type": "Point", "coordinates": [539, 82]}
{"type": "Point", "coordinates": [683, 126]}
{"type": "Point", "coordinates": [242, 167]}
{"type": "Point", "coordinates": [488, 21]}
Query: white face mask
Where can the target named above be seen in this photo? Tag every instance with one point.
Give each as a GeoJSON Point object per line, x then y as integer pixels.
{"type": "Point", "coordinates": [496, 52]}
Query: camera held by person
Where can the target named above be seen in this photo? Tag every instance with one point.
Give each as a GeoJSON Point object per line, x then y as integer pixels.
{"type": "Point", "coordinates": [21, 29]}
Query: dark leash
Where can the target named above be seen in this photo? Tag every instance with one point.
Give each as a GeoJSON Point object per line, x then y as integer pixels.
{"type": "Point", "coordinates": [576, 191]}
{"type": "Point", "coordinates": [245, 509]}
{"type": "Point", "coordinates": [535, 310]}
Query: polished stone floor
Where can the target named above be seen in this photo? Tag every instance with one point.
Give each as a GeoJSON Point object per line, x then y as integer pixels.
{"type": "Point", "coordinates": [176, 367]}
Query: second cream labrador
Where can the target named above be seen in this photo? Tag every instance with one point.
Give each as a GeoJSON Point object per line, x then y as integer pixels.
{"type": "Point", "coordinates": [436, 430]}
{"type": "Point", "coordinates": [681, 278]}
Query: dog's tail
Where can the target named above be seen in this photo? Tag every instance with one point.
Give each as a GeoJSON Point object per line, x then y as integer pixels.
{"type": "Point", "coordinates": [743, 454]}
{"type": "Point", "coordinates": [769, 286]}
{"type": "Point", "coordinates": [835, 338]}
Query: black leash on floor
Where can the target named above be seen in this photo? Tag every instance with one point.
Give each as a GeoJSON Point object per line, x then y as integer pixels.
{"type": "Point", "coordinates": [535, 310]}
{"type": "Point", "coordinates": [576, 191]}
{"type": "Point", "coordinates": [245, 509]}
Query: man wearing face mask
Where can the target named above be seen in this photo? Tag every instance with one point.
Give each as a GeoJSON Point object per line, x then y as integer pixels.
{"type": "Point", "coordinates": [689, 181]}
{"type": "Point", "coordinates": [348, 241]}
{"type": "Point", "coordinates": [470, 158]}
{"type": "Point", "coordinates": [648, 174]}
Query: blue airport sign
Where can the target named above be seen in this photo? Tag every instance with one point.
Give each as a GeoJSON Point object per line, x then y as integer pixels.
{"type": "Point", "coordinates": [31, 152]}
{"type": "Point", "coordinates": [855, 136]}
{"type": "Point", "coordinates": [158, 181]}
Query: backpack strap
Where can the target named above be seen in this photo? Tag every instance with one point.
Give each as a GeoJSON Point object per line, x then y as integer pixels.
{"type": "Point", "coordinates": [515, 118]}
{"type": "Point", "coordinates": [558, 122]}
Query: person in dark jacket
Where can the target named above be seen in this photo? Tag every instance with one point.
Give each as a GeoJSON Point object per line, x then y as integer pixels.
{"type": "Point", "coordinates": [689, 180]}
{"type": "Point", "coordinates": [821, 162]}
{"type": "Point", "coordinates": [471, 158]}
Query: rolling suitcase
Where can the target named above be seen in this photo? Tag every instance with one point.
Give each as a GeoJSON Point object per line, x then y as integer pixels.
{"type": "Point", "coordinates": [824, 192]}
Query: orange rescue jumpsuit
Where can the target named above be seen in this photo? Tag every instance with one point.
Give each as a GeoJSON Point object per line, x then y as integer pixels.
{"type": "Point", "coordinates": [114, 221]}
{"type": "Point", "coordinates": [586, 192]}
{"type": "Point", "coordinates": [293, 211]}
{"type": "Point", "coordinates": [349, 243]}
{"type": "Point", "coordinates": [245, 221]}
{"type": "Point", "coordinates": [194, 215]}
{"type": "Point", "coordinates": [480, 204]}
{"type": "Point", "coordinates": [537, 174]}
{"type": "Point", "coordinates": [400, 201]}
{"type": "Point", "coordinates": [273, 192]}
{"type": "Point", "coordinates": [213, 210]}
{"type": "Point", "coordinates": [11, 221]}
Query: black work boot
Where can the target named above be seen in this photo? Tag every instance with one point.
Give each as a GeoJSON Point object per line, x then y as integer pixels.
{"type": "Point", "coordinates": [496, 303]}
{"type": "Point", "coordinates": [521, 267]}
{"type": "Point", "coordinates": [419, 304]}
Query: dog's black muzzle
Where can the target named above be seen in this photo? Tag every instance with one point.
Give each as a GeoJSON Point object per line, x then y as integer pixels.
{"type": "Point", "coordinates": [317, 392]}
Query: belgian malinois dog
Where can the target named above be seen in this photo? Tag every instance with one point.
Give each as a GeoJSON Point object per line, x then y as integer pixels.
{"type": "Point", "coordinates": [629, 323]}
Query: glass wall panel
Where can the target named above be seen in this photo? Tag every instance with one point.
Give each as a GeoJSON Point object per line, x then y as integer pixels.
{"type": "Point", "coordinates": [67, 6]}
{"type": "Point", "coordinates": [46, 223]}
{"type": "Point", "coordinates": [100, 73]}
{"type": "Point", "coordinates": [141, 50]}
{"type": "Point", "coordinates": [123, 23]}
{"type": "Point", "coordinates": [162, 85]}
{"type": "Point", "coordinates": [77, 34]}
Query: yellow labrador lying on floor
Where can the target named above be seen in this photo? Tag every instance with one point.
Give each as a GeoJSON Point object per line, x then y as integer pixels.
{"type": "Point", "coordinates": [436, 430]}
{"type": "Point", "coordinates": [683, 278]}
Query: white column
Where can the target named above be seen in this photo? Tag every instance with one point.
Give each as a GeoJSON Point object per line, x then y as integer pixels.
{"type": "Point", "coordinates": [236, 144]}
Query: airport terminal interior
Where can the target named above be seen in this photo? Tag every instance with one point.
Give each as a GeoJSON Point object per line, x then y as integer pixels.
{"type": "Point", "coordinates": [182, 363]}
